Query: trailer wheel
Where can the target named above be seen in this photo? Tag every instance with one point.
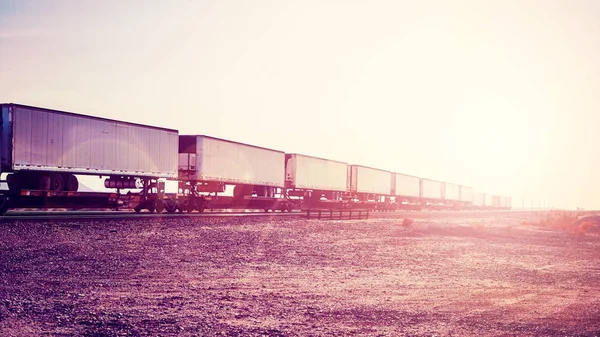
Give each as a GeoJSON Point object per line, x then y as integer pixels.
{"type": "Point", "coordinates": [57, 182]}
{"type": "Point", "coordinates": [71, 182]}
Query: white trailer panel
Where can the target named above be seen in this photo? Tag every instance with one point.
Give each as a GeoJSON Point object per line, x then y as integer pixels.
{"type": "Point", "coordinates": [478, 199]}
{"type": "Point", "coordinates": [466, 193]}
{"type": "Point", "coordinates": [452, 192]}
{"type": "Point", "coordinates": [50, 140]}
{"type": "Point", "coordinates": [431, 189]}
{"type": "Point", "coordinates": [407, 186]}
{"type": "Point", "coordinates": [487, 200]}
{"type": "Point", "coordinates": [306, 172]}
{"type": "Point", "coordinates": [364, 179]}
{"type": "Point", "coordinates": [209, 159]}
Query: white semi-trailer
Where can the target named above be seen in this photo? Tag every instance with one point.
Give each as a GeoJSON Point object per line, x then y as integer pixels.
{"type": "Point", "coordinates": [43, 150]}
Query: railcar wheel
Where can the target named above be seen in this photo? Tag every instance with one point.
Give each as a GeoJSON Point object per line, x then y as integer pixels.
{"type": "Point", "coordinates": [159, 205]}
{"type": "Point", "coordinates": [71, 182]}
{"type": "Point", "coordinates": [171, 206]}
{"type": "Point", "coordinates": [137, 209]}
{"type": "Point", "coordinates": [190, 207]}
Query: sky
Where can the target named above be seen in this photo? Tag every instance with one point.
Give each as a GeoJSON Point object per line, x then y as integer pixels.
{"type": "Point", "coordinates": [499, 95]}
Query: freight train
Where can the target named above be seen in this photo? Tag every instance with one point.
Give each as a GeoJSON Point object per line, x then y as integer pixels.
{"type": "Point", "coordinates": [44, 150]}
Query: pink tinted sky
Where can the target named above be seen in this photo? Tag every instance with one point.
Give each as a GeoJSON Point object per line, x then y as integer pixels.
{"type": "Point", "coordinates": [501, 95]}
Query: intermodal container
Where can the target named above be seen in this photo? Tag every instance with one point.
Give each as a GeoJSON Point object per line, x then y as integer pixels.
{"type": "Point", "coordinates": [209, 159]}
{"type": "Point", "coordinates": [431, 189]}
{"type": "Point", "coordinates": [406, 186]}
{"type": "Point", "coordinates": [451, 192]}
{"type": "Point", "coordinates": [307, 172]}
{"type": "Point", "coordinates": [40, 139]}
{"type": "Point", "coordinates": [466, 193]}
{"type": "Point", "coordinates": [362, 179]}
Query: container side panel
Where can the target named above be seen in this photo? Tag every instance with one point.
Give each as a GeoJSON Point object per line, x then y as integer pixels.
{"type": "Point", "coordinates": [432, 189]}
{"type": "Point", "coordinates": [487, 200]}
{"type": "Point", "coordinates": [122, 147]}
{"type": "Point", "coordinates": [133, 148]}
{"type": "Point", "coordinates": [173, 153]}
{"type": "Point", "coordinates": [319, 174]}
{"type": "Point", "coordinates": [50, 140]}
{"type": "Point", "coordinates": [110, 145]}
{"type": "Point", "coordinates": [39, 138]}
{"type": "Point", "coordinates": [466, 193]}
{"type": "Point", "coordinates": [373, 181]}
{"type": "Point", "coordinates": [69, 139]}
{"type": "Point", "coordinates": [165, 159]}
{"type": "Point", "coordinates": [452, 192]}
{"type": "Point", "coordinates": [83, 143]}
{"type": "Point", "coordinates": [219, 160]}
{"type": "Point", "coordinates": [96, 144]}
{"type": "Point", "coordinates": [144, 158]}
{"type": "Point", "coordinates": [478, 199]}
{"type": "Point", "coordinates": [22, 136]}
{"type": "Point", "coordinates": [55, 156]}
{"type": "Point", "coordinates": [407, 186]}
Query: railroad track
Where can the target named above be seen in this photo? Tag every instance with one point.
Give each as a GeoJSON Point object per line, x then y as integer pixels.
{"type": "Point", "coordinates": [112, 215]}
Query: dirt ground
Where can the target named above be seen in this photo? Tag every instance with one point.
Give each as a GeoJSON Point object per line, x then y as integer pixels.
{"type": "Point", "coordinates": [463, 274]}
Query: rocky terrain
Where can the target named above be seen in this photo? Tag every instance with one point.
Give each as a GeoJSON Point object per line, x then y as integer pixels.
{"type": "Point", "coordinates": [461, 274]}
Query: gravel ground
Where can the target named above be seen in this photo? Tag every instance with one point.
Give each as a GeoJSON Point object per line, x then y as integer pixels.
{"type": "Point", "coordinates": [472, 274]}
